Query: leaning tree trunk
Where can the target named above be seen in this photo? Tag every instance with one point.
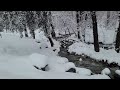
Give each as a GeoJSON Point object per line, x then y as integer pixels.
{"type": "Point", "coordinates": [117, 45]}
{"type": "Point", "coordinates": [48, 36]}
{"type": "Point", "coordinates": [53, 32]}
{"type": "Point", "coordinates": [51, 42]}
{"type": "Point", "coordinates": [95, 31]}
{"type": "Point", "coordinates": [46, 27]}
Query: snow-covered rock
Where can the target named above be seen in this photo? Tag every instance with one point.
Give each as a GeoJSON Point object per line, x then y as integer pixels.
{"type": "Point", "coordinates": [69, 65]}
{"type": "Point", "coordinates": [59, 64]}
{"type": "Point", "coordinates": [38, 60]}
{"type": "Point", "coordinates": [43, 45]}
{"type": "Point", "coordinates": [106, 71]}
{"type": "Point", "coordinates": [80, 59]}
{"type": "Point", "coordinates": [83, 71]}
{"type": "Point", "coordinates": [117, 72]}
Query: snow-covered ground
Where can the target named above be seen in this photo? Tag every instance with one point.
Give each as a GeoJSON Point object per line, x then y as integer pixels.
{"type": "Point", "coordinates": [81, 48]}
{"type": "Point", "coordinates": [19, 56]}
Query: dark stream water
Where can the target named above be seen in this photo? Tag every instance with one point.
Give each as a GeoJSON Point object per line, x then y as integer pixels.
{"type": "Point", "coordinates": [95, 66]}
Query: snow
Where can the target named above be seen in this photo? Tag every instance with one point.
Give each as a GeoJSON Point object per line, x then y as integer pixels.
{"type": "Point", "coordinates": [18, 56]}
{"type": "Point", "coordinates": [83, 71]}
{"type": "Point", "coordinates": [80, 59]}
{"type": "Point", "coordinates": [81, 48]}
{"type": "Point", "coordinates": [38, 60]}
{"type": "Point", "coordinates": [117, 72]}
{"type": "Point", "coordinates": [106, 71]}
{"type": "Point", "coordinates": [58, 64]}
{"type": "Point", "coordinates": [104, 36]}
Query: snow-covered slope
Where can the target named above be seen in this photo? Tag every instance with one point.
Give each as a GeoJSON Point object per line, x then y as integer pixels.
{"type": "Point", "coordinates": [19, 56]}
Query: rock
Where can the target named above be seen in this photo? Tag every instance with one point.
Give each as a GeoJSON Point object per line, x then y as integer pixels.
{"type": "Point", "coordinates": [71, 70]}
{"type": "Point", "coordinates": [54, 50]}
{"type": "Point", "coordinates": [113, 64]}
{"type": "Point", "coordinates": [116, 76]}
{"type": "Point", "coordinates": [44, 68]}
{"type": "Point", "coordinates": [38, 41]}
{"type": "Point", "coordinates": [36, 67]}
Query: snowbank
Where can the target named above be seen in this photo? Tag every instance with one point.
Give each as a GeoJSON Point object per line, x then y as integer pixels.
{"type": "Point", "coordinates": [81, 48]}
{"type": "Point", "coordinates": [21, 67]}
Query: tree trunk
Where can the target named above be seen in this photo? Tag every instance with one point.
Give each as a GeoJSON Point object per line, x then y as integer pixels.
{"type": "Point", "coordinates": [78, 34]}
{"type": "Point", "coordinates": [32, 34]}
{"type": "Point", "coordinates": [117, 45]}
{"type": "Point", "coordinates": [21, 35]}
{"type": "Point", "coordinates": [78, 21]}
{"type": "Point", "coordinates": [0, 35]}
{"type": "Point", "coordinates": [26, 34]}
{"type": "Point", "coordinates": [95, 31]}
{"type": "Point", "coordinates": [53, 34]}
{"type": "Point", "coordinates": [68, 31]}
{"type": "Point", "coordinates": [108, 17]}
{"type": "Point", "coordinates": [51, 42]}
{"type": "Point", "coordinates": [46, 27]}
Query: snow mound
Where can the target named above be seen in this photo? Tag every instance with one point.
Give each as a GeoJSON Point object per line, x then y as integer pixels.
{"type": "Point", "coordinates": [61, 60]}
{"type": "Point", "coordinates": [105, 71]}
{"type": "Point", "coordinates": [69, 65]}
{"type": "Point", "coordinates": [55, 67]}
{"type": "Point", "coordinates": [83, 71]}
{"type": "Point", "coordinates": [43, 45]}
{"type": "Point", "coordinates": [117, 72]}
{"type": "Point", "coordinates": [38, 60]}
{"type": "Point", "coordinates": [59, 64]}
